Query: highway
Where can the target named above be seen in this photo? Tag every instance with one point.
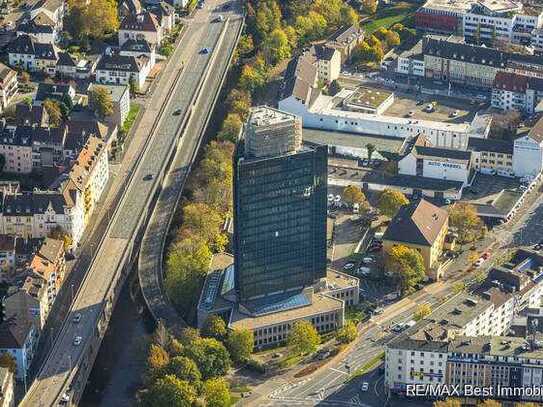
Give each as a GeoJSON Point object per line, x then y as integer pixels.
{"type": "Point", "coordinates": [157, 138]}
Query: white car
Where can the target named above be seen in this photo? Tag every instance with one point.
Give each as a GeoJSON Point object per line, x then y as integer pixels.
{"type": "Point", "coordinates": [77, 340]}
{"type": "Point", "coordinates": [479, 262]}
{"type": "Point", "coordinates": [368, 260]}
{"type": "Point", "coordinates": [77, 318]}
{"type": "Point", "coordinates": [348, 266]}
{"type": "Point", "coordinates": [365, 386]}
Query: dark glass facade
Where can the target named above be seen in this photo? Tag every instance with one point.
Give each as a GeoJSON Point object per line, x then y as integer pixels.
{"type": "Point", "coordinates": [279, 221]}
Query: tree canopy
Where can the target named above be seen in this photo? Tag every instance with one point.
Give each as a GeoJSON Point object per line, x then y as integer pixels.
{"type": "Point", "coordinates": [347, 333]}
{"type": "Point", "coordinates": [92, 19]}
{"type": "Point", "coordinates": [100, 101]}
{"type": "Point", "coordinates": [214, 327]}
{"type": "Point", "coordinates": [390, 202]}
{"type": "Point", "coordinates": [408, 266]}
{"type": "Point", "coordinates": [217, 393]}
{"type": "Point", "coordinates": [463, 216]}
{"type": "Point", "coordinates": [422, 311]}
{"type": "Point", "coordinates": [303, 338]}
{"type": "Point", "coordinates": [240, 343]}
{"type": "Point", "coordinates": [169, 391]}
{"type": "Point", "coordinates": [185, 369]}
{"type": "Point", "coordinates": [210, 356]}
{"type": "Point", "coordinates": [353, 194]}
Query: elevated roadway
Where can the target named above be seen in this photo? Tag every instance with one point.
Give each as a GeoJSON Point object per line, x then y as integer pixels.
{"type": "Point", "coordinates": [66, 368]}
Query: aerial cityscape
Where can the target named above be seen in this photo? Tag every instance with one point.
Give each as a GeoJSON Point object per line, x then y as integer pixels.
{"type": "Point", "coordinates": [271, 203]}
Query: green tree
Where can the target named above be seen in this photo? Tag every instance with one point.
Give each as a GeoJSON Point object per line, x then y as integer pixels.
{"type": "Point", "coordinates": [8, 361]}
{"type": "Point", "coordinates": [210, 356]}
{"type": "Point", "coordinates": [408, 266]}
{"type": "Point", "coordinates": [170, 391]}
{"type": "Point", "coordinates": [463, 216]}
{"type": "Point", "coordinates": [206, 222]}
{"type": "Point", "coordinates": [239, 103]}
{"type": "Point", "coordinates": [347, 333]}
{"type": "Point", "coordinates": [353, 194]}
{"type": "Point", "coordinates": [185, 369]}
{"type": "Point", "coordinates": [52, 107]}
{"type": "Point", "coordinates": [92, 19]}
{"type": "Point", "coordinates": [268, 18]}
{"type": "Point", "coordinates": [231, 127]}
{"type": "Point", "coordinates": [369, 6]}
{"type": "Point", "coordinates": [217, 393]}
{"type": "Point", "coordinates": [175, 347]}
{"type": "Point", "coordinates": [349, 16]}
{"type": "Point", "coordinates": [100, 101]}
{"type": "Point", "coordinates": [310, 27]}
{"type": "Point", "coordinates": [277, 46]}
{"type": "Point", "coordinates": [245, 44]}
{"type": "Point", "coordinates": [392, 39]}
{"type": "Point", "coordinates": [157, 358]}
{"type": "Point", "coordinates": [303, 338]}
{"type": "Point", "coordinates": [298, 8]}
{"type": "Point", "coordinates": [251, 79]}
{"type": "Point", "coordinates": [390, 202]}
{"type": "Point", "coordinates": [214, 327]}
{"type": "Point", "coordinates": [240, 344]}
{"type": "Point", "coordinates": [334, 87]}
{"type": "Point", "coordinates": [458, 287]}
{"type": "Point", "coordinates": [422, 311]}
{"type": "Point", "coordinates": [370, 149]}
{"type": "Point", "coordinates": [188, 336]}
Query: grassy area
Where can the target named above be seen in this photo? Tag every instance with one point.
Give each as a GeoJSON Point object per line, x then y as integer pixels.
{"type": "Point", "coordinates": [234, 400]}
{"type": "Point", "coordinates": [354, 314]}
{"type": "Point", "coordinates": [290, 361]}
{"type": "Point", "coordinates": [240, 388]}
{"type": "Point", "coordinates": [388, 16]}
{"type": "Point", "coordinates": [368, 366]}
{"type": "Point", "coordinates": [129, 121]}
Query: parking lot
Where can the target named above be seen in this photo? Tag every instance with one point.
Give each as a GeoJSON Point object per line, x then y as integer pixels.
{"type": "Point", "coordinates": [445, 110]}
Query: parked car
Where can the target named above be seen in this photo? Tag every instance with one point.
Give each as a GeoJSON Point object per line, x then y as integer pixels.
{"type": "Point", "coordinates": [479, 262]}
{"type": "Point", "coordinates": [204, 51]}
{"type": "Point", "coordinates": [348, 266]}
{"type": "Point", "coordinates": [368, 260]}
{"type": "Point", "coordinates": [77, 318]}
{"type": "Point", "coordinates": [77, 341]}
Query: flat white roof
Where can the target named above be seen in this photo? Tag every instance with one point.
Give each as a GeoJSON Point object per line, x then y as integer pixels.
{"type": "Point", "coordinates": [465, 5]}
{"type": "Point", "coordinates": [326, 105]}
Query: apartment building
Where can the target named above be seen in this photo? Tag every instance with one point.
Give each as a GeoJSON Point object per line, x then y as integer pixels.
{"type": "Point", "coordinates": [19, 338]}
{"type": "Point", "coordinates": [491, 156]}
{"type": "Point", "coordinates": [47, 146]}
{"type": "Point", "coordinates": [345, 41]}
{"type": "Point", "coordinates": [49, 13]}
{"type": "Point", "coordinates": [513, 91]}
{"type": "Point", "coordinates": [8, 86]}
{"type": "Point", "coordinates": [26, 53]}
{"type": "Point", "coordinates": [528, 152]}
{"type": "Point", "coordinates": [49, 263]}
{"type": "Point", "coordinates": [28, 296]}
{"type": "Point", "coordinates": [16, 147]}
{"type": "Point", "coordinates": [142, 26]}
{"type": "Point", "coordinates": [90, 174]}
{"type": "Point", "coordinates": [7, 256]}
{"type": "Point", "coordinates": [119, 69]}
{"type": "Point", "coordinates": [328, 61]}
{"type": "Point", "coordinates": [43, 33]}
{"type": "Point", "coordinates": [7, 392]}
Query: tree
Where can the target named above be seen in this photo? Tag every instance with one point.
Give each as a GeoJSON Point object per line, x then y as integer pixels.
{"type": "Point", "coordinates": [448, 403]}
{"type": "Point", "coordinates": [170, 391]}
{"type": "Point", "coordinates": [239, 103]}
{"type": "Point", "coordinates": [245, 44]}
{"type": "Point", "coordinates": [217, 393]}
{"type": "Point", "coordinates": [206, 222]}
{"type": "Point", "coordinates": [240, 343]}
{"type": "Point", "coordinates": [100, 101]}
{"type": "Point", "coordinates": [231, 127]}
{"type": "Point", "coordinates": [349, 16]}
{"type": "Point", "coordinates": [408, 266]}
{"type": "Point", "coordinates": [94, 19]}
{"type": "Point", "coordinates": [214, 327]}
{"type": "Point", "coordinates": [299, 8]}
{"type": "Point", "coordinates": [157, 357]}
{"type": "Point", "coordinates": [370, 149]}
{"type": "Point", "coordinates": [392, 39]}
{"type": "Point", "coordinates": [458, 287]}
{"type": "Point", "coordinates": [422, 311]}
{"type": "Point", "coordinates": [303, 338]}
{"type": "Point", "coordinates": [8, 361]}
{"type": "Point", "coordinates": [250, 78]}
{"type": "Point", "coordinates": [188, 336]}
{"type": "Point", "coordinates": [210, 356]}
{"type": "Point", "coordinates": [277, 46]}
{"type": "Point", "coordinates": [463, 216]}
{"type": "Point", "coordinates": [390, 202]}
{"type": "Point", "coordinates": [175, 347]}
{"type": "Point", "coordinates": [52, 107]}
{"type": "Point", "coordinates": [161, 337]}
{"type": "Point", "coordinates": [268, 18]}
{"type": "Point", "coordinates": [369, 6]}
{"type": "Point", "coordinates": [310, 27]}
{"type": "Point", "coordinates": [334, 87]}
{"type": "Point", "coordinates": [60, 234]}
{"type": "Point", "coordinates": [353, 194]}
{"type": "Point", "coordinates": [185, 369]}
{"type": "Point", "coordinates": [348, 333]}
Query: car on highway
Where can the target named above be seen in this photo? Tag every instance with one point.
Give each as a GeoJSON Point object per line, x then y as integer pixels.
{"type": "Point", "coordinates": [378, 311]}
{"type": "Point", "coordinates": [538, 247]}
{"type": "Point", "coordinates": [77, 318]}
{"type": "Point", "coordinates": [148, 177]}
{"type": "Point", "coordinates": [479, 262]}
{"type": "Point", "coordinates": [348, 266]}
{"type": "Point", "coordinates": [368, 260]}
{"type": "Point", "coordinates": [219, 19]}
{"type": "Point", "coordinates": [365, 386]}
{"type": "Point", "coordinates": [77, 341]}
{"type": "Point", "coordinates": [177, 112]}
{"type": "Point", "coordinates": [454, 114]}
{"type": "Point", "coordinates": [204, 50]}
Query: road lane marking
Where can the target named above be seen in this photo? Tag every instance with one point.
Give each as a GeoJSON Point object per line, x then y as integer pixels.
{"type": "Point", "coordinates": [338, 371]}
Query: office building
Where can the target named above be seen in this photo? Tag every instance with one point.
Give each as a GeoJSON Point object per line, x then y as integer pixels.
{"type": "Point", "coordinates": [279, 207]}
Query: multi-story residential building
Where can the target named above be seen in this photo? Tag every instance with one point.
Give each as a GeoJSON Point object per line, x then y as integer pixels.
{"type": "Point", "coordinates": [420, 226]}
{"type": "Point", "coordinates": [7, 391]}
{"type": "Point", "coordinates": [16, 147]}
{"type": "Point", "coordinates": [19, 338]}
{"type": "Point", "coordinates": [43, 33]}
{"type": "Point", "coordinates": [8, 86]}
{"type": "Point", "coordinates": [285, 213]}
{"type": "Point", "coordinates": [47, 146]}
{"type": "Point", "coordinates": [164, 13]}
{"type": "Point", "coordinates": [118, 69]}
{"type": "Point", "coordinates": [61, 92]}
{"type": "Point", "coordinates": [36, 214]}
{"type": "Point", "coordinates": [90, 174]}
{"type": "Point", "coordinates": [474, 65]}
{"type": "Point", "coordinates": [49, 12]}
{"type": "Point", "coordinates": [139, 48]}
{"type": "Point", "coordinates": [328, 61]}
{"type": "Point", "coordinates": [8, 260]}
{"type": "Point", "coordinates": [49, 263]}
{"type": "Point", "coordinates": [411, 61]}
{"type": "Point", "coordinates": [120, 97]}
{"type": "Point", "coordinates": [28, 296]}
{"type": "Point", "coordinates": [26, 53]}
{"type": "Point", "coordinates": [31, 115]}
{"type": "Point", "coordinates": [528, 152]}
{"type": "Point", "coordinates": [491, 156]}
{"type": "Point", "coordinates": [512, 91]}
{"type": "Point", "coordinates": [142, 26]}
{"type": "Point", "coordinates": [424, 160]}
{"type": "Point", "coordinates": [128, 7]}
{"type": "Point", "coordinates": [345, 41]}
